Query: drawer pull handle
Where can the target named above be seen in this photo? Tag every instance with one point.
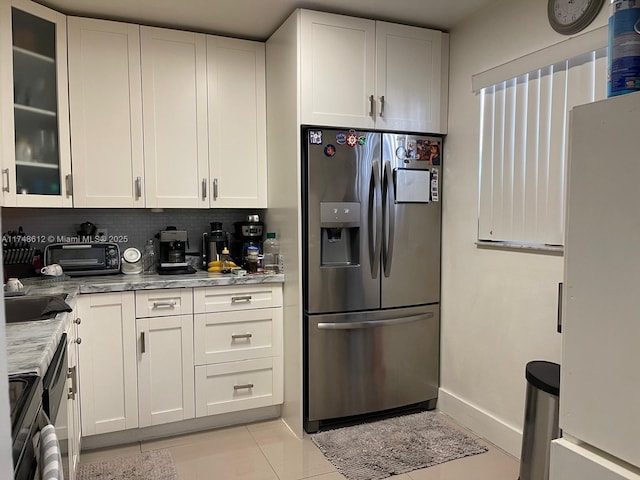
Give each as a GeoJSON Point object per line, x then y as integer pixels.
{"type": "Point", "coordinates": [243, 298]}
{"type": "Point", "coordinates": [241, 336]}
{"type": "Point", "coordinates": [242, 387]}
{"type": "Point", "coordinates": [164, 304]}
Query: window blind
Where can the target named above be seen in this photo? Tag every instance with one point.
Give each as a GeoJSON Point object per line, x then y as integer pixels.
{"type": "Point", "coordinates": [523, 148]}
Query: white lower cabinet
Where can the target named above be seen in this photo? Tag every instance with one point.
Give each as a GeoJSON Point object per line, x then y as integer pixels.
{"type": "Point", "coordinates": [107, 362]}
{"type": "Point", "coordinates": [233, 386]}
{"type": "Point", "coordinates": [165, 369]}
{"type": "Point", "coordinates": [153, 357]}
{"type": "Point", "coordinates": [73, 399]}
{"type": "Point", "coordinates": [237, 348]}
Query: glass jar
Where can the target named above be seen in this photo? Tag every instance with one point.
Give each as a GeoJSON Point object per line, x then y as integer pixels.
{"type": "Point", "coordinates": [253, 260]}
{"type": "Point", "coordinates": [149, 257]}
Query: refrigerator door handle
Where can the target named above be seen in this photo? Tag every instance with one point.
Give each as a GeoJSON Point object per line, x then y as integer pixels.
{"type": "Point", "coordinates": [373, 323]}
{"type": "Point", "coordinates": [375, 213]}
{"type": "Point", "coordinates": [389, 217]}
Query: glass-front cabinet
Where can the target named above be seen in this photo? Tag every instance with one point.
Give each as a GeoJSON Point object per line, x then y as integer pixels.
{"type": "Point", "coordinates": [36, 163]}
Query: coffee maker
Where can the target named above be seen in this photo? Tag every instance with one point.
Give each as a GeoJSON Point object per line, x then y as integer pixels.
{"type": "Point", "coordinates": [246, 234]}
{"type": "Point", "coordinates": [173, 247]}
{"type": "Point", "coordinates": [213, 242]}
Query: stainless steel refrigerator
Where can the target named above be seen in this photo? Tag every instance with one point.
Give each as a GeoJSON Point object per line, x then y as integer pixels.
{"type": "Point", "coordinates": [371, 244]}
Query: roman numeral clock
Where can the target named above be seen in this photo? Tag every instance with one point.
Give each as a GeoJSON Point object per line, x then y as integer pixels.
{"type": "Point", "coordinates": [571, 16]}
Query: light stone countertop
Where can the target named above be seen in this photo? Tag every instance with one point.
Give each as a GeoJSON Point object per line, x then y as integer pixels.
{"type": "Point", "coordinates": [31, 345]}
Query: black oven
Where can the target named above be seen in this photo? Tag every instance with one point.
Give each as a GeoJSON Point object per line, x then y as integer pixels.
{"type": "Point", "coordinates": [31, 396]}
{"type": "Point", "coordinates": [25, 399]}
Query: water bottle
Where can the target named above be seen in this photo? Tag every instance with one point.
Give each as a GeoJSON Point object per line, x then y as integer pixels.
{"type": "Point", "coordinates": [225, 261]}
{"type": "Point", "coordinates": [149, 258]}
{"type": "Point", "coordinates": [271, 251]}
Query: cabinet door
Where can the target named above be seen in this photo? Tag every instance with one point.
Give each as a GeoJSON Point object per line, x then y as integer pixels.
{"type": "Point", "coordinates": [73, 403]}
{"type": "Point", "coordinates": [174, 107]}
{"type": "Point", "coordinates": [107, 359]}
{"type": "Point", "coordinates": [105, 101]}
{"type": "Point", "coordinates": [165, 369]}
{"type": "Point", "coordinates": [337, 70]}
{"type": "Point", "coordinates": [36, 162]}
{"type": "Point", "coordinates": [411, 78]}
{"type": "Point", "coordinates": [237, 122]}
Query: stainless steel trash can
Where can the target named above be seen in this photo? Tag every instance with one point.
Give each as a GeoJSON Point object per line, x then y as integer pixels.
{"type": "Point", "coordinates": [540, 418]}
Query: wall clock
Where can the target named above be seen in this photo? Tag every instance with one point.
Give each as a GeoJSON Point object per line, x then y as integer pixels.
{"type": "Point", "coordinates": [571, 16]}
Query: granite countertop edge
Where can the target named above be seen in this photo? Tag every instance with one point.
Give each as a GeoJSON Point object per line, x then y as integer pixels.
{"type": "Point", "coordinates": [31, 345]}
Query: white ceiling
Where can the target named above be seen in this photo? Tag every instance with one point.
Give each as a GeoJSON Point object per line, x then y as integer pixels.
{"type": "Point", "coordinates": [258, 19]}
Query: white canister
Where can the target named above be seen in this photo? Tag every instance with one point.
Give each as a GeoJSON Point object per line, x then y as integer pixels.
{"type": "Point", "coordinates": [624, 47]}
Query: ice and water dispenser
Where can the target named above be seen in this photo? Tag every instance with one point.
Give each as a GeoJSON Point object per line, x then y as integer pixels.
{"type": "Point", "coordinates": [340, 230]}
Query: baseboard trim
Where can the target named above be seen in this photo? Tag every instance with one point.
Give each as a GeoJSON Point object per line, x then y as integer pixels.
{"type": "Point", "coordinates": [481, 422]}
{"type": "Point", "coordinates": [180, 428]}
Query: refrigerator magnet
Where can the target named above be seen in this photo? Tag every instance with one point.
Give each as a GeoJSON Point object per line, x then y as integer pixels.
{"type": "Point", "coordinates": [341, 138]}
{"type": "Point", "coordinates": [362, 140]}
{"type": "Point", "coordinates": [352, 138]}
{"type": "Point", "coordinates": [315, 137]}
{"type": "Point", "coordinates": [330, 150]}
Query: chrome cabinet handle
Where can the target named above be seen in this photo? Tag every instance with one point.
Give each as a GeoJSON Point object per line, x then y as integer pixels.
{"type": "Point", "coordinates": [204, 188]}
{"type": "Point", "coordinates": [371, 106]}
{"type": "Point", "coordinates": [72, 374]}
{"type": "Point", "coordinates": [69, 183]}
{"type": "Point", "coordinates": [240, 387]}
{"type": "Point", "coordinates": [5, 171]}
{"type": "Point", "coordinates": [138, 187]}
{"type": "Point", "coordinates": [78, 340]}
{"type": "Point", "coordinates": [382, 106]}
{"type": "Point", "coordinates": [240, 336]}
{"type": "Point", "coordinates": [215, 188]}
{"type": "Point", "coordinates": [171, 304]}
{"type": "Point", "coordinates": [243, 298]}
{"type": "Point", "coordinates": [77, 321]}
{"type": "Point", "coordinates": [143, 342]}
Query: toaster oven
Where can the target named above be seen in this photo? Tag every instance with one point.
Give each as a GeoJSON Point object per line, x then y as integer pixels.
{"type": "Point", "coordinates": [76, 259]}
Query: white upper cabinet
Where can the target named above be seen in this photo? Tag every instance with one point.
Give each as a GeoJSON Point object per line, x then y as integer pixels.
{"type": "Point", "coordinates": [411, 78]}
{"type": "Point", "coordinates": [105, 99]}
{"type": "Point", "coordinates": [34, 107]}
{"type": "Point", "coordinates": [367, 74]}
{"type": "Point", "coordinates": [337, 70]}
{"type": "Point", "coordinates": [174, 106]}
{"type": "Point", "coordinates": [237, 123]}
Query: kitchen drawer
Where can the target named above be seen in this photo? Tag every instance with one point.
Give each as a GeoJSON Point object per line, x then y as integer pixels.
{"type": "Point", "coordinates": [164, 302]}
{"type": "Point", "coordinates": [219, 299]}
{"type": "Point", "coordinates": [242, 335]}
{"type": "Point", "coordinates": [234, 386]}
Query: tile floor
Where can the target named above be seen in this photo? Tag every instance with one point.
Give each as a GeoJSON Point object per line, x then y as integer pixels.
{"type": "Point", "coordinates": [269, 451]}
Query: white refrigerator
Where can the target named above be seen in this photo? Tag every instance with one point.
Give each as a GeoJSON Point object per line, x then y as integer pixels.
{"type": "Point", "coordinates": [600, 377]}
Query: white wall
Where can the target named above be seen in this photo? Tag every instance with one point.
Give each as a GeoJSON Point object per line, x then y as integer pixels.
{"type": "Point", "coordinates": [498, 307]}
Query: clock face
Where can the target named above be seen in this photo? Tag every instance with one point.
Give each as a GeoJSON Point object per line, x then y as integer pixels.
{"type": "Point", "coordinates": [571, 16]}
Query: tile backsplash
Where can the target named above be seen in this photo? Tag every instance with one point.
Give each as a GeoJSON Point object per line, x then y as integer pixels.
{"type": "Point", "coordinates": [127, 227]}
